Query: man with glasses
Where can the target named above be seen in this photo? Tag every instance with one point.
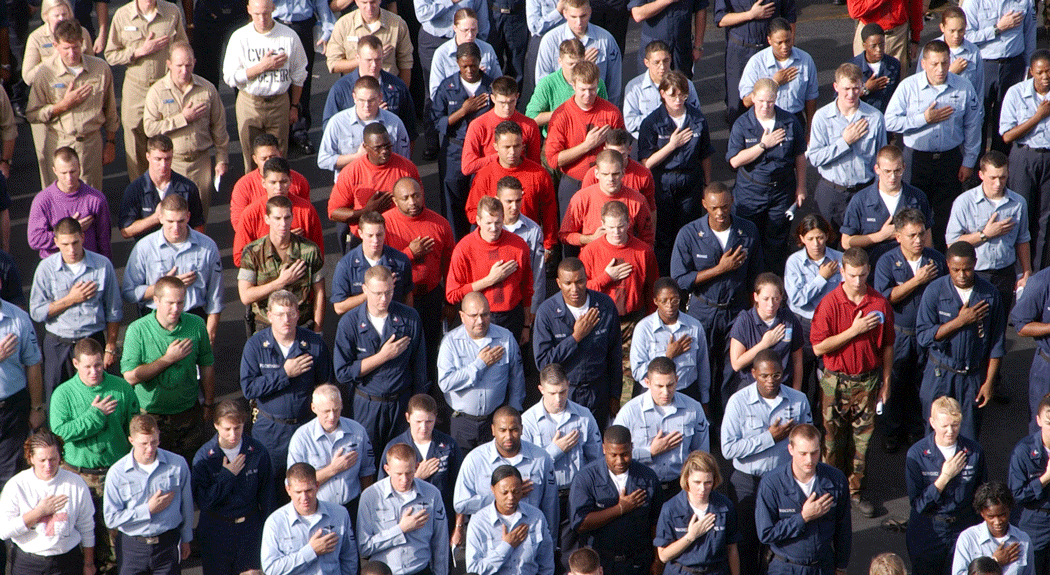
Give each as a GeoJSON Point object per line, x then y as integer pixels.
{"type": "Point", "coordinates": [343, 138]}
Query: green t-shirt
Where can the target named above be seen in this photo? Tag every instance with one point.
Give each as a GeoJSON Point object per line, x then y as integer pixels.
{"type": "Point", "coordinates": [93, 440]}
{"type": "Point", "coordinates": [551, 92]}
{"type": "Point", "coordinates": [174, 390]}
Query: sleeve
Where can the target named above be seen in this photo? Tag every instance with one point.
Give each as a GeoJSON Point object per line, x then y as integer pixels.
{"type": "Point", "coordinates": [542, 16]}
{"type": "Point", "coordinates": [274, 562]}
{"type": "Point", "coordinates": [40, 295]}
{"type": "Point", "coordinates": [209, 489]}
{"type": "Point", "coordinates": [632, 114]}
{"type": "Point", "coordinates": [737, 442]}
{"type": "Point", "coordinates": [546, 349]}
{"type": "Point", "coordinates": [481, 560]}
{"type": "Point", "coordinates": [771, 529]}
{"type": "Point", "coordinates": [516, 387]}
{"type": "Point", "coordinates": [898, 117]}
{"type": "Point", "coordinates": [373, 538]}
{"type": "Point", "coordinates": [458, 283]}
{"type": "Point", "coordinates": [115, 510]}
{"type": "Point", "coordinates": [997, 319]}
{"type": "Point", "coordinates": [256, 384]}
{"type": "Point", "coordinates": [748, 77]}
{"type": "Point", "coordinates": [545, 552]}
{"type": "Point", "coordinates": [972, 123]}
{"type": "Point", "coordinates": [613, 73]}
{"type": "Point", "coordinates": [213, 284]}
{"type": "Point", "coordinates": [843, 530]}
{"type": "Point", "coordinates": [85, 524]}
{"type": "Point", "coordinates": [39, 107]}
{"type": "Point", "coordinates": [557, 136]}
{"type": "Point", "coordinates": [72, 424]}
{"type": "Point", "coordinates": [420, 380]}
{"type": "Point", "coordinates": [38, 230]}
{"type": "Point", "coordinates": [466, 497]}
{"type": "Point", "coordinates": [346, 358]}
{"type": "Point", "coordinates": [473, 148]}
{"type": "Point", "coordinates": [118, 53]}
{"type": "Point", "coordinates": [405, 58]}
{"type": "Point", "coordinates": [439, 543]}
{"type": "Point", "coordinates": [547, 58]}
{"type": "Point", "coordinates": [825, 144]}
{"type": "Point", "coordinates": [1012, 105]}
{"type": "Point", "coordinates": [12, 524]}
{"type": "Point", "coordinates": [683, 270]}
{"type": "Point", "coordinates": [639, 357]}
{"type": "Point", "coordinates": [978, 31]}
{"type": "Point", "coordinates": [922, 496]}
{"type": "Point", "coordinates": [328, 152]}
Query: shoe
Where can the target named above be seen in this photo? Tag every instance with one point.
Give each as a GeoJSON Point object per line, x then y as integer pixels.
{"type": "Point", "coordinates": [892, 444]}
{"type": "Point", "coordinates": [301, 141]}
{"type": "Point", "coordinates": [863, 507]}
{"type": "Point", "coordinates": [839, 2]}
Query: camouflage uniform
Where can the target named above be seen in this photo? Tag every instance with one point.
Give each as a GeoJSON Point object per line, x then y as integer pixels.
{"type": "Point", "coordinates": [183, 433]}
{"type": "Point", "coordinates": [848, 402]}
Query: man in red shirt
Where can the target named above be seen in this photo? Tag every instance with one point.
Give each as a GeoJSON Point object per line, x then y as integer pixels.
{"type": "Point", "coordinates": [578, 129]}
{"type": "Point", "coordinates": [853, 331]}
{"type": "Point", "coordinates": [538, 203]}
{"type": "Point", "coordinates": [582, 223]}
{"type": "Point", "coordinates": [497, 264]}
{"type": "Point", "coordinates": [624, 268]}
{"type": "Point", "coordinates": [277, 181]}
{"type": "Point", "coordinates": [365, 184]}
{"type": "Point", "coordinates": [426, 238]}
{"type": "Point", "coordinates": [901, 19]}
{"type": "Point", "coordinates": [250, 186]}
{"type": "Point", "coordinates": [635, 175]}
{"type": "Point", "coordinates": [478, 149]}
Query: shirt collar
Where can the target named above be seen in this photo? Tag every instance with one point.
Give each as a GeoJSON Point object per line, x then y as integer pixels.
{"type": "Point", "coordinates": [977, 194]}
{"type": "Point", "coordinates": [319, 432]}
{"type": "Point", "coordinates": [985, 535]}
{"type": "Point", "coordinates": [162, 459]}
{"type": "Point", "coordinates": [649, 405]}
{"type": "Point", "coordinates": [752, 396]}
{"type": "Point", "coordinates": [495, 456]}
{"type": "Point", "coordinates": [386, 489]}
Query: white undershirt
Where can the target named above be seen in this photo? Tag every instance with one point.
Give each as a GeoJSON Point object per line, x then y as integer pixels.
{"type": "Point", "coordinates": [964, 294]}
{"type": "Point", "coordinates": [890, 201]}
{"type": "Point", "coordinates": [723, 237]}
{"type": "Point", "coordinates": [807, 486]}
{"type": "Point", "coordinates": [76, 70]}
{"type": "Point", "coordinates": [949, 451]}
{"type": "Point", "coordinates": [767, 125]}
{"type": "Point", "coordinates": [163, 191]}
{"type": "Point", "coordinates": [510, 520]}
{"type": "Point", "coordinates": [997, 201]}
{"type": "Point", "coordinates": [679, 121]}
{"type": "Point", "coordinates": [619, 480]}
{"type": "Point", "coordinates": [231, 454]}
{"type": "Point", "coordinates": [914, 265]}
{"type": "Point", "coordinates": [371, 262]}
{"type": "Point", "coordinates": [771, 402]}
{"type": "Point", "coordinates": [285, 349]}
{"type": "Point", "coordinates": [560, 418]}
{"type": "Point", "coordinates": [471, 87]}
{"type": "Point", "coordinates": [700, 511]}
{"type": "Point", "coordinates": [77, 268]}
{"type": "Point", "coordinates": [876, 67]}
{"type": "Point", "coordinates": [149, 468]}
{"type": "Point", "coordinates": [374, 26]}
{"type": "Point", "coordinates": [424, 448]}
{"type": "Point", "coordinates": [377, 322]}
{"type": "Point", "coordinates": [515, 460]}
{"type": "Point", "coordinates": [578, 311]}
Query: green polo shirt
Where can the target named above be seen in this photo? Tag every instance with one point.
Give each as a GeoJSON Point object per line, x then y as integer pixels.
{"type": "Point", "coordinates": [551, 92]}
{"type": "Point", "coordinates": [175, 389]}
{"type": "Point", "coordinates": [93, 440]}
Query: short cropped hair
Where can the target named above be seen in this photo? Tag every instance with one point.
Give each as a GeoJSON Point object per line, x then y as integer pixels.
{"type": "Point", "coordinates": [277, 202]}
{"type": "Point", "coordinates": [421, 402]}
{"type": "Point", "coordinates": [370, 41]}
{"type": "Point", "coordinates": [661, 366]}
{"type": "Point", "coordinates": [174, 203]}
{"type": "Point", "coordinates": [804, 431]}
{"type": "Point", "coordinates": [961, 249]}
{"type": "Point", "coordinates": [401, 452]}
{"type": "Point", "coordinates": [303, 472]}
{"type": "Point", "coordinates": [490, 205]}
{"type": "Point", "coordinates": [283, 298]}
{"type": "Point", "coordinates": [586, 72]}
{"type": "Point", "coordinates": [68, 31]}
{"type": "Point", "coordinates": [616, 435]}
{"type": "Point", "coordinates": [571, 47]}
{"type": "Point", "coordinates": [160, 143]}
{"type": "Point", "coordinates": [88, 347]}
{"type": "Point", "coordinates": [994, 159]}
{"type": "Point", "coordinates": [553, 374]}
{"type": "Point", "coordinates": [584, 561]}
{"type": "Point", "coordinates": [887, 563]}
{"type": "Point", "coordinates": [849, 71]}
{"type": "Point", "coordinates": [68, 226]}
{"type": "Point", "coordinates": [506, 127]}
{"type": "Point", "coordinates": [143, 423]}
{"type": "Point", "coordinates": [616, 209]}
{"type": "Point", "coordinates": [504, 86]}
{"type": "Point", "coordinates": [855, 257]}
{"type": "Point", "coordinates": [908, 216]}
{"type": "Point", "coordinates": [992, 493]}
{"type": "Point", "coordinates": [164, 284]}
{"type": "Point", "coordinates": [231, 409]}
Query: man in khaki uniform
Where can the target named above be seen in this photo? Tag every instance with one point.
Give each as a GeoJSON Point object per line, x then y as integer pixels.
{"type": "Point", "coordinates": [266, 62]}
{"type": "Point", "coordinates": [73, 96]}
{"type": "Point", "coordinates": [187, 109]}
{"type": "Point", "coordinates": [392, 31]}
{"type": "Point", "coordinates": [138, 39]}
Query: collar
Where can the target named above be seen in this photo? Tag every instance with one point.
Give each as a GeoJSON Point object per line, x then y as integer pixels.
{"type": "Point", "coordinates": [293, 516]}
{"type": "Point", "coordinates": [88, 261]}
{"type": "Point", "coordinates": [363, 323]}
{"type": "Point", "coordinates": [299, 342]}
{"type": "Point", "coordinates": [977, 195]}
{"type": "Point", "coordinates": [865, 301]}
{"type": "Point", "coordinates": [950, 82]}
{"type": "Point", "coordinates": [386, 489]}
{"type": "Point", "coordinates": [563, 308]}
{"type": "Point", "coordinates": [494, 455]}
{"type": "Point", "coordinates": [569, 409]}
{"type": "Point", "coordinates": [384, 20]}
{"type": "Point", "coordinates": [984, 535]}
{"type": "Point", "coordinates": [190, 239]}
{"type": "Point", "coordinates": [1027, 89]}
{"type": "Point", "coordinates": [752, 396]}
{"type": "Point", "coordinates": [770, 61]}
{"type": "Point", "coordinates": [647, 403]}
{"type": "Point", "coordinates": [318, 432]}
{"type": "Point", "coordinates": [162, 459]}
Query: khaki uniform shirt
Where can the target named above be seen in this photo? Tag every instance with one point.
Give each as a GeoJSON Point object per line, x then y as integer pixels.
{"type": "Point", "coordinates": [40, 46]}
{"type": "Point", "coordinates": [97, 111]}
{"type": "Point", "coordinates": [163, 115]}
{"type": "Point", "coordinates": [393, 31]}
{"type": "Point", "coordinates": [130, 30]}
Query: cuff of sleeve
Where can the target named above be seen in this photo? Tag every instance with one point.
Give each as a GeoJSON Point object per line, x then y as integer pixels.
{"type": "Point", "coordinates": [241, 77]}
{"type": "Point", "coordinates": [479, 364]}
{"type": "Point", "coordinates": [394, 535]}
{"type": "Point", "coordinates": [308, 553]}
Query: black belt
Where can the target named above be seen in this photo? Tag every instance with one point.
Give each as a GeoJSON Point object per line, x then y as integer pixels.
{"type": "Point", "coordinates": [748, 177]}
{"type": "Point", "coordinates": [793, 562]}
{"type": "Point", "coordinates": [1030, 148]}
{"type": "Point", "coordinates": [854, 378]}
{"type": "Point", "coordinates": [942, 518]}
{"type": "Point", "coordinates": [903, 330]}
{"type": "Point", "coordinates": [292, 421]}
{"type": "Point", "coordinates": [311, 19]}
{"type": "Point", "coordinates": [850, 189]}
{"type": "Point", "coordinates": [932, 155]}
{"type": "Point", "coordinates": [479, 418]}
{"type": "Point", "coordinates": [225, 519]}
{"type": "Point", "coordinates": [74, 340]}
{"type": "Point", "coordinates": [497, 9]}
{"type": "Point", "coordinates": [740, 42]}
{"type": "Point", "coordinates": [87, 470]}
{"type": "Point", "coordinates": [156, 539]}
{"type": "Point", "coordinates": [1002, 60]}
{"type": "Point", "coordinates": [711, 303]}
{"type": "Point", "coordinates": [701, 570]}
{"type": "Point", "coordinates": [17, 396]}
{"type": "Point", "coordinates": [942, 365]}
{"type": "Point", "coordinates": [382, 398]}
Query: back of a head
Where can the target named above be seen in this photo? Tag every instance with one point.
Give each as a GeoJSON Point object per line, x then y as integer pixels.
{"type": "Point", "coordinates": [375, 568]}
{"type": "Point", "coordinates": [584, 561]}
{"type": "Point", "coordinates": [984, 566]}
{"type": "Point", "coordinates": [887, 564]}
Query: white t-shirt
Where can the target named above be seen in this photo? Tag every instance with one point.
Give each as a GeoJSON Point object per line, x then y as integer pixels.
{"type": "Point", "coordinates": [231, 454]}
{"type": "Point", "coordinates": [149, 468]}
{"type": "Point", "coordinates": [914, 265]}
{"type": "Point", "coordinates": [679, 121]}
{"type": "Point", "coordinates": [560, 417]}
{"type": "Point", "coordinates": [767, 125]}
{"type": "Point", "coordinates": [578, 311]}
{"type": "Point", "coordinates": [964, 294]}
{"type": "Point", "coordinates": [516, 459]}
{"type": "Point", "coordinates": [949, 451]}
{"type": "Point", "coordinates": [77, 268]}
{"type": "Point", "coordinates": [424, 448]}
{"type": "Point", "coordinates": [700, 511]}
{"type": "Point", "coordinates": [377, 322]}
{"type": "Point", "coordinates": [470, 87]}
{"type": "Point", "coordinates": [890, 201]}
{"type": "Point", "coordinates": [876, 67]}
{"type": "Point", "coordinates": [997, 201]}
{"type": "Point", "coordinates": [619, 480]}
{"type": "Point", "coordinates": [723, 237]}
{"type": "Point", "coordinates": [807, 487]}
{"type": "Point", "coordinates": [510, 520]}
{"type": "Point", "coordinates": [285, 349]}
{"type": "Point", "coordinates": [162, 191]}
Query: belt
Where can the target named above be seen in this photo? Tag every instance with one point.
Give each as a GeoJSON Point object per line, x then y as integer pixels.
{"type": "Point", "coordinates": [701, 570]}
{"type": "Point", "coordinates": [74, 340]}
{"type": "Point", "coordinates": [267, 99]}
{"type": "Point", "coordinates": [87, 470]}
{"type": "Point", "coordinates": [190, 156]}
{"type": "Point", "coordinates": [933, 155]}
{"type": "Point", "coordinates": [850, 189]}
{"type": "Point", "coordinates": [941, 365]}
{"type": "Point", "coordinates": [383, 398]}
{"type": "Point", "coordinates": [1046, 358]}
{"type": "Point", "coordinates": [294, 22]}
{"type": "Point", "coordinates": [497, 9]}
{"type": "Point", "coordinates": [564, 492]}
{"type": "Point", "coordinates": [942, 518]}
{"type": "Point", "coordinates": [1033, 149]}
{"type": "Point", "coordinates": [748, 177]}
{"type": "Point", "coordinates": [479, 418]}
{"type": "Point", "coordinates": [225, 519]}
{"type": "Point", "coordinates": [793, 562]}
{"type": "Point", "coordinates": [903, 330]}
{"type": "Point", "coordinates": [854, 378]}
{"type": "Point", "coordinates": [156, 539]}
{"type": "Point", "coordinates": [740, 42]}
{"type": "Point", "coordinates": [711, 303]}
{"type": "Point", "coordinates": [291, 421]}
{"type": "Point", "coordinates": [17, 396]}
{"type": "Point", "coordinates": [1002, 60]}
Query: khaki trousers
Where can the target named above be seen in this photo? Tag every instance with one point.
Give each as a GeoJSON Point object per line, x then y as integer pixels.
{"type": "Point", "coordinates": [897, 44]}
{"type": "Point", "coordinates": [258, 115]}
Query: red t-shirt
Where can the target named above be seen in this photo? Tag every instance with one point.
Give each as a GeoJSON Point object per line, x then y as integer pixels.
{"type": "Point", "coordinates": [473, 259]}
{"type": "Point", "coordinates": [835, 314]}
{"type": "Point", "coordinates": [249, 188]}
{"type": "Point", "coordinates": [635, 176]}
{"type": "Point", "coordinates": [479, 146]}
{"type": "Point", "coordinates": [569, 126]}
{"type": "Point", "coordinates": [359, 180]}
{"type": "Point", "coordinates": [633, 293]}
{"type": "Point", "coordinates": [253, 225]}
{"type": "Point", "coordinates": [401, 230]}
{"type": "Point", "coordinates": [585, 214]}
{"type": "Point", "coordinates": [539, 203]}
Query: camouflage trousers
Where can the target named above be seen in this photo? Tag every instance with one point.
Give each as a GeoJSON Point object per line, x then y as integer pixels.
{"type": "Point", "coordinates": [183, 433]}
{"type": "Point", "coordinates": [105, 554]}
{"type": "Point", "coordinates": [848, 407]}
{"type": "Point", "coordinates": [627, 324]}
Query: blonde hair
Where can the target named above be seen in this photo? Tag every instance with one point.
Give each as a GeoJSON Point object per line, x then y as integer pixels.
{"type": "Point", "coordinates": [703, 462]}
{"type": "Point", "coordinates": [946, 405]}
{"type": "Point", "coordinates": [887, 564]}
{"type": "Point", "coordinates": [765, 85]}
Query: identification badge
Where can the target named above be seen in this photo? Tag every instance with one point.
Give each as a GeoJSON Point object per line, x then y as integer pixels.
{"type": "Point", "coordinates": [60, 86]}
{"type": "Point", "coordinates": [169, 101]}
{"type": "Point", "coordinates": [130, 28]}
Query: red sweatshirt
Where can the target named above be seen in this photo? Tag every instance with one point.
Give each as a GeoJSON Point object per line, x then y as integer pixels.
{"type": "Point", "coordinates": [253, 225]}
{"type": "Point", "coordinates": [249, 188]}
{"type": "Point", "coordinates": [585, 214]}
{"type": "Point", "coordinates": [633, 293]}
{"type": "Point", "coordinates": [569, 126]}
{"type": "Point", "coordinates": [401, 230]}
{"type": "Point", "coordinates": [359, 180]}
{"type": "Point", "coordinates": [889, 14]}
{"type": "Point", "coordinates": [473, 259]}
{"type": "Point", "coordinates": [539, 203]}
{"type": "Point", "coordinates": [479, 146]}
{"type": "Point", "coordinates": [635, 176]}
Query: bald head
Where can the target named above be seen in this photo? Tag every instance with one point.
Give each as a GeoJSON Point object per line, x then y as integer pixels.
{"type": "Point", "coordinates": [261, 12]}
{"type": "Point", "coordinates": [475, 300]}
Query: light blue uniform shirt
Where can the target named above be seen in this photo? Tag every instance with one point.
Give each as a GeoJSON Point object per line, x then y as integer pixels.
{"type": "Point", "coordinates": [905, 114]}
{"type": "Point", "coordinates": [53, 280]}
{"type": "Point", "coordinates": [974, 71]}
{"type": "Point", "coordinates": [651, 336]}
{"type": "Point", "coordinates": [489, 554]}
{"type": "Point", "coordinates": [286, 546]}
{"type": "Point", "coordinates": [444, 63]}
{"type": "Point", "coordinates": [803, 283]}
{"type": "Point", "coordinates": [311, 444]}
{"type": "Point", "coordinates": [746, 439]}
{"type": "Point", "coordinates": [531, 232]}
{"type": "Point", "coordinates": [981, 17]}
{"type": "Point", "coordinates": [970, 213]}
{"type": "Point", "coordinates": [13, 369]}
{"type": "Point", "coordinates": [791, 97]}
{"type": "Point", "coordinates": [435, 16]}
{"type": "Point", "coordinates": [471, 386]}
{"type": "Point", "coordinates": [838, 162]}
{"type": "Point", "coordinates": [685, 415]}
{"type": "Point", "coordinates": [153, 257]}
{"type": "Point", "coordinates": [287, 11]}
{"type": "Point", "coordinates": [125, 502]}
{"type": "Point", "coordinates": [538, 427]}
{"type": "Point", "coordinates": [474, 484]}
{"type": "Point", "coordinates": [610, 61]}
{"type": "Point", "coordinates": [977, 542]}
{"type": "Point", "coordinates": [381, 539]}
{"type": "Point", "coordinates": [345, 131]}
{"type": "Point", "coordinates": [642, 96]}
{"type": "Point", "coordinates": [542, 16]}
{"type": "Point", "coordinates": [1019, 106]}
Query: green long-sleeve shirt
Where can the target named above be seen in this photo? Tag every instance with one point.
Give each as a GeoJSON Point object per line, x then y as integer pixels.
{"type": "Point", "coordinates": [92, 439]}
{"type": "Point", "coordinates": [551, 92]}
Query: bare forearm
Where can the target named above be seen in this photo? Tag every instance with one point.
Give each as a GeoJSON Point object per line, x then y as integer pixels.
{"type": "Point", "coordinates": [833, 343]}
{"type": "Point", "coordinates": [319, 306]}
{"type": "Point", "coordinates": [208, 383]}
{"type": "Point", "coordinates": [598, 519]}
{"type": "Point", "coordinates": [349, 303]}
{"type": "Point", "coordinates": [138, 227]}
{"type": "Point", "coordinates": [1035, 329]}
